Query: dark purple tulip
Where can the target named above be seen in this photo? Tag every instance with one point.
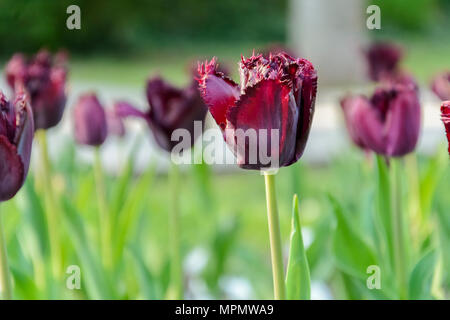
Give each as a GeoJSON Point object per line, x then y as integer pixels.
{"type": "Point", "coordinates": [16, 137]}
{"type": "Point", "coordinates": [388, 123]}
{"type": "Point", "coordinates": [445, 110]}
{"type": "Point", "coordinates": [441, 85]}
{"type": "Point", "coordinates": [170, 109]}
{"type": "Point", "coordinates": [382, 59]}
{"type": "Point", "coordinates": [277, 92]}
{"type": "Point", "coordinates": [90, 121]}
{"type": "Point", "coordinates": [44, 79]}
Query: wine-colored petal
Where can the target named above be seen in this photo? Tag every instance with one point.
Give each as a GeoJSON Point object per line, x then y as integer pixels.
{"type": "Point", "coordinates": [24, 130]}
{"type": "Point", "coordinates": [403, 123]}
{"type": "Point", "coordinates": [268, 105]}
{"type": "Point", "coordinates": [445, 110]}
{"type": "Point", "coordinates": [11, 170]}
{"type": "Point", "coordinates": [382, 59]}
{"type": "Point", "coordinates": [90, 121]}
{"type": "Point", "coordinates": [218, 91]}
{"type": "Point", "coordinates": [308, 91]}
{"type": "Point", "coordinates": [441, 85]}
{"type": "Point", "coordinates": [349, 106]}
{"type": "Point", "coordinates": [370, 126]}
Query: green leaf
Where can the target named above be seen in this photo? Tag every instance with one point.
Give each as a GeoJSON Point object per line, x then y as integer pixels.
{"type": "Point", "coordinates": [298, 283]}
{"type": "Point", "coordinates": [127, 217]}
{"type": "Point", "coordinates": [351, 252]}
{"type": "Point", "coordinates": [35, 215]}
{"type": "Point", "coordinates": [422, 277]}
{"type": "Point", "coordinates": [383, 210]}
{"type": "Point", "coordinates": [429, 180]}
{"type": "Point", "coordinates": [94, 279]}
{"type": "Point", "coordinates": [147, 282]}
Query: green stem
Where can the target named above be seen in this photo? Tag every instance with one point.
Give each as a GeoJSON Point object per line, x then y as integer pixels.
{"type": "Point", "coordinates": [5, 278]}
{"type": "Point", "coordinates": [275, 238]}
{"type": "Point", "coordinates": [176, 272]}
{"type": "Point", "coordinates": [397, 229]}
{"type": "Point", "coordinates": [50, 204]}
{"type": "Point", "coordinates": [104, 214]}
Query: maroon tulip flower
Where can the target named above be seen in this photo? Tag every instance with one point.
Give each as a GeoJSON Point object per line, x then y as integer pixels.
{"type": "Point", "coordinates": [382, 59]}
{"type": "Point", "coordinates": [388, 123]}
{"type": "Point", "coordinates": [276, 93]}
{"type": "Point", "coordinates": [441, 86]}
{"type": "Point", "coordinates": [44, 79]}
{"type": "Point", "coordinates": [90, 121]}
{"type": "Point", "coordinates": [16, 137]}
{"type": "Point", "coordinates": [170, 109]}
{"type": "Point", "coordinates": [445, 110]}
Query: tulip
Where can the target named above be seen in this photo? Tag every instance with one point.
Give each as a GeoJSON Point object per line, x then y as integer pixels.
{"type": "Point", "coordinates": [16, 136]}
{"type": "Point", "coordinates": [382, 59]}
{"type": "Point", "coordinates": [389, 122]}
{"type": "Point", "coordinates": [445, 110]}
{"type": "Point", "coordinates": [441, 85]}
{"type": "Point", "coordinates": [90, 121]}
{"type": "Point", "coordinates": [44, 78]}
{"type": "Point", "coordinates": [170, 109]}
{"type": "Point", "coordinates": [277, 92]}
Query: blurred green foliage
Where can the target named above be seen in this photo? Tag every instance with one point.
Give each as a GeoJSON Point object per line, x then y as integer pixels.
{"type": "Point", "coordinates": [116, 26]}
{"type": "Point", "coordinates": [125, 25]}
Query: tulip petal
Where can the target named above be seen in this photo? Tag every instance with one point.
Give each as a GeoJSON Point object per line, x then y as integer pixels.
{"type": "Point", "coordinates": [268, 105]}
{"type": "Point", "coordinates": [369, 125]}
{"type": "Point", "coordinates": [219, 92]}
{"type": "Point", "coordinates": [308, 85]}
{"type": "Point", "coordinates": [24, 130]}
{"type": "Point", "coordinates": [349, 106]}
{"type": "Point", "coordinates": [445, 109]}
{"type": "Point", "coordinates": [403, 123]}
{"type": "Point", "coordinates": [11, 170]}
{"type": "Point", "coordinates": [125, 109]}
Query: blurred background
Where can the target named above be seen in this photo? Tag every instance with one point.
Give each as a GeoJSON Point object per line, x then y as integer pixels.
{"type": "Point", "coordinates": [225, 244]}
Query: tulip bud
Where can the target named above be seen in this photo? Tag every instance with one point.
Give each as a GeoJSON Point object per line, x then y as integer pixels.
{"type": "Point", "coordinates": [90, 121]}
{"type": "Point", "coordinates": [276, 96]}
{"type": "Point", "coordinates": [441, 85]}
{"type": "Point", "coordinates": [16, 137]}
{"type": "Point", "coordinates": [170, 109]}
{"type": "Point", "coordinates": [382, 59]}
{"type": "Point", "coordinates": [44, 79]}
{"type": "Point", "coordinates": [445, 110]}
{"type": "Point", "coordinates": [388, 123]}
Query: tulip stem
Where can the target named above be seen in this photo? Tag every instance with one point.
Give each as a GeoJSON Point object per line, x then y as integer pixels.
{"type": "Point", "coordinates": [275, 238]}
{"type": "Point", "coordinates": [398, 229]}
{"type": "Point", "coordinates": [50, 203]}
{"type": "Point", "coordinates": [5, 278]}
{"type": "Point", "coordinates": [104, 214]}
{"type": "Point", "coordinates": [175, 291]}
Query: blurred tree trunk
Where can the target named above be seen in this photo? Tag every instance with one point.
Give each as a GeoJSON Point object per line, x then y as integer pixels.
{"type": "Point", "coordinates": [331, 34]}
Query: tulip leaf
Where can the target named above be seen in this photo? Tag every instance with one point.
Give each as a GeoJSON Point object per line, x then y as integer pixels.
{"type": "Point", "coordinates": [36, 216]}
{"type": "Point", "coordinates": [147, 282]}
{"type": "Point", "coordinates": [127, 217]}
{"type": "Point", "coordinates": [94, 280]}
{"type": "Point", "coordinates": [422, 277]}
{"type": "Point", "coordinates": [383, 210]}
{"type": "Point", "coordinates": [298, 283]}
{"type": "Point", "coordinates": [351, 252]}
{"type": "Point", "coordinates": [429, 180]}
